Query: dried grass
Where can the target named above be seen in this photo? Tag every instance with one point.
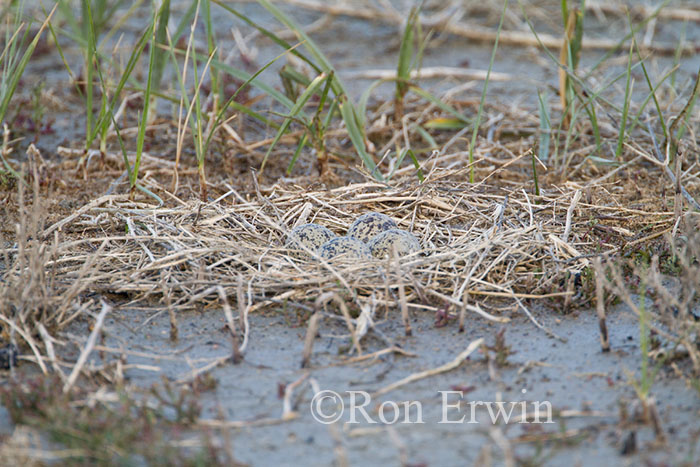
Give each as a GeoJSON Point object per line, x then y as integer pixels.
{"type": "Point", "coordinates": [481, 245]}
{"type": "Point", "coordinates": [188, 249]}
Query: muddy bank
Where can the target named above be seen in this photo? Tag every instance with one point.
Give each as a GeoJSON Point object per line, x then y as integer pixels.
{"type": "Point", "coordinates": [589, 391]}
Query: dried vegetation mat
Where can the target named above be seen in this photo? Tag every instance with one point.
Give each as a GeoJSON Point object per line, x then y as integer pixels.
{"type": "Point", "coordinates": [488, 252]}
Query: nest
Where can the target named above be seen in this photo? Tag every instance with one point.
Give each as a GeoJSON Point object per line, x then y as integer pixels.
{"type": "Point", "coordinates": [479, 242]}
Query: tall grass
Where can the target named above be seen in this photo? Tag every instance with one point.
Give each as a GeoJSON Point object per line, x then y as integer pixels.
{"type": "Point", "coordinates": [15, 55]}
{"type": "Point", "coordinates": [352, 115]}
{"type": "Point", "coordinates": [625, 105]}
{"type": "Point", "coordinates": [592, 100]}
{"type": "Point", "coordinates": [102, 95]}
{"type": "Point", "coordinates": [410, 58]}
{"type": "Point", "coordinates": [570, 54]}
{"type": "Point", "coordinates": [86, 33]}
{"type": "Point", "coordinates": [482, 101]}
{"type": "Point", "coordinates": [204, 125]}
{"type": "Point", "coordinates": [406, 55]}
{"type": "Point", "coordinates": [545, 132]}
{"type": "Point", "coordinates": [16, 52]}
{"type": "Point", "coordinates": [160, 55]}
{"type": "Point", "coordinates": [353, 121]}
{"type": "Point", "coordinates": [140, 138]}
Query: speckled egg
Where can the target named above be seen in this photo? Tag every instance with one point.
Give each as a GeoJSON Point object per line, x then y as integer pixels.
{"type": "Point", "coordinates": [345, 247]}
{"type": "Point", "coordinates": [368, 225]}
{"type": "Point", "coordinates": [311, 236]}
{"type": "Point", "coordinates": [382, 245]}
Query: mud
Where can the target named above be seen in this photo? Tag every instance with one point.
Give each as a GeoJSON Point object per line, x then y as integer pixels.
{"type": "Point", "coordinates": [572, 376]}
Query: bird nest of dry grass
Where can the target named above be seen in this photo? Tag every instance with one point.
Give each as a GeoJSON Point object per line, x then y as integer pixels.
{"type": "Point", "coordinates": [485, 249]}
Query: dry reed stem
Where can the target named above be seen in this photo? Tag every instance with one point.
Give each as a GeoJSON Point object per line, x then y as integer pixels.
{"type": "Point", "coordinates": [29, 340]}
{"type": "Point", "coordinates": [288, 412]}
{"type": "Point", "coordinates": [50, 352]}
{"type": "Point", "coordinates": [451, 21]}
{"type": "Point", "coordinates": [502, 442]}
{"type": "Point", "coordinates": [89, 346]}
{"type": "Point", "coordinates": [546, 330]}
{"type": "Point", "coordinates": [244, 308]}
{"type": "Point", "coordinates": [341, 454]}
{"type": "Point", "coordinates": [402, 294]}
{"type": "Point", "coordinates": [655, 419]}
{"type": "Point", "coordinates": [600, 305]}
{"type": "Point", "coordinates": [433, 72]}
{"type": "Point", "coordinates": [172, 317]}
{"type": "Point", "coordinates": [374, 355]}
{"type": "Point", "coordinates": [570, 214]}
{"type": "Point", "coordinates": [325, 298]}
{"type": "Point", "coordinates": [311, 332]}
{"type": "Point", "coordinates": [192, 375]}
{"type": "Point", "coordinates": [237, 356]}
{"type": "Point", "coordinates": [475, 344]}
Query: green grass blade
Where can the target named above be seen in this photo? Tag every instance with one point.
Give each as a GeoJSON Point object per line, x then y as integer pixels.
{"type": "Point", "coordinates": [579, 81]}
{"type": "Point", "coordinates": [105, 118]}
{"type": "Point", "coordinates": [15, 73]}
{"type": "Point", "coordinates": [297, 152]}
{"type": "Point", "coordinates": [564, 11]}
{"type": "Point", "coordinates": [161, 39]}
{"type": "Point", "coordinates": [125, 156]}
{"type": "Point", "coordinates": [184, 22]}
{"type": "Point", "coordinates": [545, 128]}
{"type": "Point", "coordinates": [483, 95]}
{"type": "Point", "coordinates": [364, 99]}
{"type": "Point", "coordinates": [232, 99]}
{"type": "Point", "coordinates": [332, 110]}
{"type": "Point", "coordinates": [403, 68]}
{"type": "Point", "coordinates": [445, 123]}
{"type": "Point", "coordinates": [426, 137]}
{"type": "Point", "coordinates": [145, 190]}
{"type": "Point", "coordinates": [90, 63]}
{"type": "Point", "coordinates": [407, 152]}
{"type": "Point", "coordinates": [294, 76]}
{"type": "Point", "coordinates": [416, 164]}
{"type": "Point", "coordinates": [356, 136]}
{"type": "Point", "coordinates": [348, 110]}
{"type": "Point", "coordinates": [324, 97]}
{"type": "Point", "coordinates": [269, 34]}
{"type": "Point", "coordinates": [651, 96]}
{"type": "Point", "coordinates": [8, 52]}
{"type": "Point", "coordinates": [612, 51]}
{"type": "Point", "coordinates": [252, 113]}
{"type": "Point", "coordinates": [325, 65]}
{"type": "Point", "coordinates": [216, 86]}
{"type": "Point", "coordinates": [305, 96]}
{"type": "Point", "coordinates": [534, 175]}
{"type": "Point", "coordinates": [133, 10]}
{"type": "Point", "coordinates": [144, 116]}
{"type": "Point", "coordinates": [245, 76]}
{"type": "Point", "coordinates": [66, 10]}
{"type": "Point", "coordinates": [322, 62]}
{"type": "Point", "coordinates": [439, 103]}
{"type": "Point", "coordinates": [676, 129]}
{"type": "Point", "coordinates": [625, 107]}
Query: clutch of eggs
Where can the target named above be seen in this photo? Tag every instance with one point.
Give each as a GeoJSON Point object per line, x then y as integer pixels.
{"type": "Point", "coordinates": [371, 235]}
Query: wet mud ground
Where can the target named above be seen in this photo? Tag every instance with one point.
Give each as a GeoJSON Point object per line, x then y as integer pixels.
{"type": "Point", "coordinates": [592, 400]}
